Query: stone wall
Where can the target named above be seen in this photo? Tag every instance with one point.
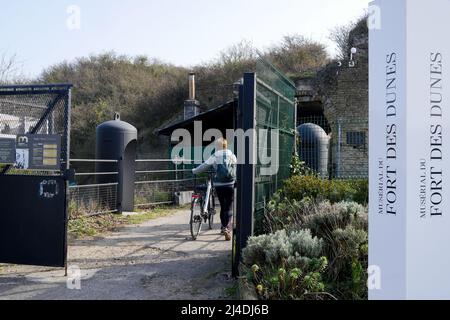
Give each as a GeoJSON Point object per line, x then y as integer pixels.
{"type": "Point", "coordinates": [343, 93]}
{"type": "Point", "coordinates": [345, 105]}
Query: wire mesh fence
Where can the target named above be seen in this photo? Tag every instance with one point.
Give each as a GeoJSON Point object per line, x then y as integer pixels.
{"type": "Point", "coordinates": [274, 109]}
{"type": "Point", "coordinates": [337, 150]}
{"type": "Point", "coordinates": [158, 181]}
{"type": "Point", "coordinates": [93, 199]}
{"type": "Point", "coordinates": [86, 196]}
{"type": "Point", "coordinates": [35, 110]}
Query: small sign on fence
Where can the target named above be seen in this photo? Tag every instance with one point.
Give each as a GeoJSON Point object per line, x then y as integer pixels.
{"type": "Point", "coordinates": [38, 152]}
{"type": "Point", "coordinates": [7, 150]}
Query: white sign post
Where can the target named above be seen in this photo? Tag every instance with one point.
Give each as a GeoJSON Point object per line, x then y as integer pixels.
{"type": "Point", "coordinates": [409, 219]}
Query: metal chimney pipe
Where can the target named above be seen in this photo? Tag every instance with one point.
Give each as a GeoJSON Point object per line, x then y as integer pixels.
{"type": "Point", "coordinates": [192, 86]}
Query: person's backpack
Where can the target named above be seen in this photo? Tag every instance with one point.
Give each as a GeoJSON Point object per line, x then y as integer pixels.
{"type": "Point", "coordinates": [226, 170]}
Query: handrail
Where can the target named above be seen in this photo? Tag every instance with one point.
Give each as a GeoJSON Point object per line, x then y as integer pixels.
{"type": "Point", "coordinates": [96, 174]}
{"type": "Point", "coordinates": [163, 171]}
{"type": "Point", "coordinates": [164, 160]}
{"type": "Point", "coordinates": [163, 181]}
{"type": "Point", "coordinates": [94, 185]}
{"type": "Point", "coordinates": [94, 160]}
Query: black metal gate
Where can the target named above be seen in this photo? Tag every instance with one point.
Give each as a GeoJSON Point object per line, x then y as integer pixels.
{"type": "Point", "coordinates": [34, 166]}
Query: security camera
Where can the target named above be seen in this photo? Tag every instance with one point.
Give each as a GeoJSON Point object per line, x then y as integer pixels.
{"type": "Point", "coordinates": [352, 62]}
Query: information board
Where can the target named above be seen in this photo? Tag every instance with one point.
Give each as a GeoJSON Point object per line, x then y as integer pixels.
{"type": "Point", "coordinates": [7, 150]}
{"type": "Point", "coordinates": [38, 152]}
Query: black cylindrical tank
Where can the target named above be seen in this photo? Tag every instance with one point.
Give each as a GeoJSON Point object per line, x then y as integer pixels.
{"type": "Point", "coordinates": [117, 140]}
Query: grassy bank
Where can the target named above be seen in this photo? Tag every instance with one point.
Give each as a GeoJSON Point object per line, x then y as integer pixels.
{"type": "Point", "coordinates": [85, 226]}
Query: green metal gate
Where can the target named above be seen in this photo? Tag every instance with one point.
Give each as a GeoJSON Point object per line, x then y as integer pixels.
{"type": "Point", "coordinates": [266, 102]}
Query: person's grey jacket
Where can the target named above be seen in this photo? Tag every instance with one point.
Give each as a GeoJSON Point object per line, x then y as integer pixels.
{"type": "Point", "coordinates": [212, 162]}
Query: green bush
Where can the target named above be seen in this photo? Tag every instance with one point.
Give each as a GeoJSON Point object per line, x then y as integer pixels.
{"type": "Point", "coordinates": [342, 230]}
{"type": "Point", "coordinates": [328, 217]}
{"type": "Point", "coordinates": [282, 248]}
{"type": "Point", "coordinates": [286, 265]}
{"type": "Point", "coordinates": [283, 213]}
{"type": "Point", "coordinates": [332, 217]}
{"type": "Point", "coordinates": [299, 187]}
{"type": "Point", "coordinates": [347, 274]}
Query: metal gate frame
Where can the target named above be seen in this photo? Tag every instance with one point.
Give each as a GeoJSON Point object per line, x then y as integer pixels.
{"type": "Point", "coordinates": [246, 173]}
{"type": "Point", "coordinates": [60, 94]}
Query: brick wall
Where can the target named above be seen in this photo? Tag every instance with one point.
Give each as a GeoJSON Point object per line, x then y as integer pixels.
{"type": "Point", "coordinates": [345, 104]}
{"type": "Point", "coordinates": [343, 93]}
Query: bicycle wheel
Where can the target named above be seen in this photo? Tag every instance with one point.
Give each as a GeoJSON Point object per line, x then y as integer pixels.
{"type": "Point", "coordinates": [211, 212]}
{"type": "Point", "coordinates": [196, 218]}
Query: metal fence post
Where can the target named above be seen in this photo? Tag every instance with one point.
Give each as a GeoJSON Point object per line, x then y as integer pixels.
{"type": "Point", "coordinates": [120, 186]}
{"type": "Point", "coordinates": [338, 155]}
{"type": "Point", "coordinates": [67, 123]}
{"type": "Point", "coordinates": [177, 188]}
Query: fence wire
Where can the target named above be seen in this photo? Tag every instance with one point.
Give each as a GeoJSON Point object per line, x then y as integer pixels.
{"type": "Point", "coordinates": [92, 199]}
{"type": "Point", "coordinates": [337, 150]}
{"type": "Point", "coordinates": [86, 196]}
{"type": "Point", "coordinates": [158, 181]}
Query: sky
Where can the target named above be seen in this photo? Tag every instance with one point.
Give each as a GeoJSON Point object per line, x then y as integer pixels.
{"type": "Point", "coordinates": [183, 32]}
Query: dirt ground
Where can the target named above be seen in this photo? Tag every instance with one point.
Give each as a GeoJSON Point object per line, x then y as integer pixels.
{"type": "Point", "coordinates": [155, 260]}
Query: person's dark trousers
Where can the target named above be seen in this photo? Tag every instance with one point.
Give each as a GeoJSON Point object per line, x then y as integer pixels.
{"type": "Point", "coordinates": [226, 198]}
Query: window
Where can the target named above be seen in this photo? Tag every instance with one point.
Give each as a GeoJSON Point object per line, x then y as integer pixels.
{"type": "Point", "coordinates": [356, 138]}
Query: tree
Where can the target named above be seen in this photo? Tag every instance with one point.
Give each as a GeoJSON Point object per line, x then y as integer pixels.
{"type": "Point", "coordinates": [9, 68]}
{"type": "Point", "coordinates": [149, 93]}
{"type": "Point", "coordinates": [298, 56]}
{"type": "Point", "coordinates": [237, 54]}
{"type": "Point", "coordinates": [215, 79]}
{"type": "Point", "coordinates": [345, 36]}
{"type": "Point", "coordinates": [146, 93]}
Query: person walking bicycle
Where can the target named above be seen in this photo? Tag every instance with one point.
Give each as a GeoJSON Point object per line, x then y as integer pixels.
{"type": "Point", "coordinates": [224, 163]}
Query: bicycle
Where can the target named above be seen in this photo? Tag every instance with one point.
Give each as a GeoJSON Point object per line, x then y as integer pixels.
{"type": "Point", "coordinates": [203, 207]}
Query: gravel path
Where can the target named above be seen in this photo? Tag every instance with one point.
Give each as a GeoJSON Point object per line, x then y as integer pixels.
{"type": "Point", "coordinates": [155, 260]}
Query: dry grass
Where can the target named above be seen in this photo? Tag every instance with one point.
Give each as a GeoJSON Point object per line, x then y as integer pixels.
{"type": "Point", "coordinates": [82, 226]}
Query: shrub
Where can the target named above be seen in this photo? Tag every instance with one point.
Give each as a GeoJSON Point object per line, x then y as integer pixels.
{"type": "Point", "coordinates": [347, 273]}
{"type": "Point", "coordinates": [283, 213]}
{"type": "Point", "coordinates": [299, 187]}
{"type": "Point", "coordinates": [299, 167]}
{"type": "Point", "coordinates": [342, 229]}
{"type": "Point", "coordinates": [329, 217]}
{"type": "Point", "coordinates": [333, 221]}
{"type": "Point", "coordinates": [362, 187]}
{"type": "Point", "coordinates": [281, 247]}
{"type": "Point", "coordinates": [286, 265]}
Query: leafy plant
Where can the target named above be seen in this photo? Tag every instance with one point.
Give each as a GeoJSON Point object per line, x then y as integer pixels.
{"type": "Point", "coordinates": [286, 265]}
{"type": "Point", "coordinates": [299, 167]}
{"type": "Point", "coordinates": [299, 187]}
{"type": "Point", "coordinates": [342, 230]}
